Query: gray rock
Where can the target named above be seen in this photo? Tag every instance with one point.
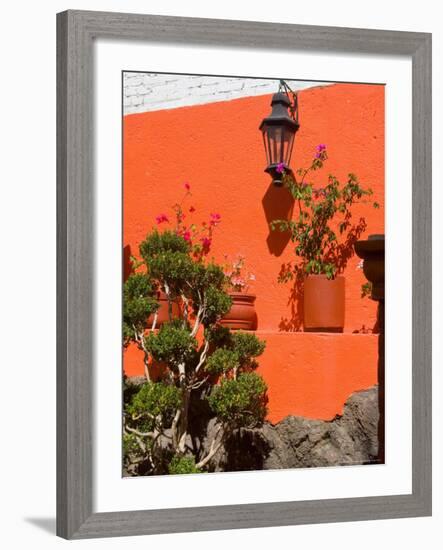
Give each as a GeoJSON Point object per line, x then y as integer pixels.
{"type": "Point", "coordinates": [298, 442]}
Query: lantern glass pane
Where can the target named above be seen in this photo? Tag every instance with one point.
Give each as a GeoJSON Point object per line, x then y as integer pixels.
{"type": "Point", "coordinates": [278, 141]}
{"type": "Point", "coordinates": [275, 138]}
{"type": "Point", "coordinates": [266, 145]}
{"type": "Point", "coordinates": [287, 144]}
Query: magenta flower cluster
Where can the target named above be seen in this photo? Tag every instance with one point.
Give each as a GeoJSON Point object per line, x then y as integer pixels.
{"type": "Point", "coordinates": [215, 219]}
{"type": "Point", "coordinates": [200, 238]}
{"type": "Point", "coordinates": [280, 167]}
{"type": "Point", "coordinates": [162, 218]}
{"type": "Point", "coordinates": [321, 151]}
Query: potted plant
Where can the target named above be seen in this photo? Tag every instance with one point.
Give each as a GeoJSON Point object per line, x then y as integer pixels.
{"type": "Point", "coordinates": [324, 233]}
{"type": "Point", "coordinates": [242, 314]}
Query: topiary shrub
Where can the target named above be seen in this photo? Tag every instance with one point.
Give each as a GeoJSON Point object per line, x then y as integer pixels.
{"type": "Point", "coordinates": [201, 360]}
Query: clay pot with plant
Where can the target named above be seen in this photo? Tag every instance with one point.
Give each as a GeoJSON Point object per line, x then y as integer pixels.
{"type": "Point", "coordinates": [324, 233]}
{"type": "Point", "coordinates": [242, 314]}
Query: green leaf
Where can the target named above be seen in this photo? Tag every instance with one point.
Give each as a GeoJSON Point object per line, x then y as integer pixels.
{"type": "Point", "coordinates": [155, 399]}
{"type": "Point", "coordinates": [221, 361]}
{"type": "Point", "coordinates": [172, 344]}
{"type": "Point", "coordinates": [183, 465]}
{"type": "Point", "coordinates": [247, 346]}
{"type": "Point", "coordinates": [217, 304]}
{"type": "Point", "coordinates": [139, 302]}
{"type": "Point", "coordinates": [240, 402]}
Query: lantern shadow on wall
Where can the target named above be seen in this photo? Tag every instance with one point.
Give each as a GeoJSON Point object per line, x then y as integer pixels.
{"type": "Point", "coordinates": [278, 204]}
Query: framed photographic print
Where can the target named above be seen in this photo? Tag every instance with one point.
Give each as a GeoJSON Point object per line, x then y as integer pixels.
{"type": "Point", "coordinates": [244, 274]}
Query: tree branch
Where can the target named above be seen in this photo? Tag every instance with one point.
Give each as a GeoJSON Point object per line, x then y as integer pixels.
{"type": "Point", "coordinates": [141, 434]}
{"type": "Point", "coordinates": [168, 296]}
{"type": "Point", "coordinates": [202, 357]}
{"type": "Point", "coordinates": [145, 359]}
{"type": "Point", "coordinates": [174, 428]}
{"type": "Point", "coordinates": [200, 383]}
{"type": "Point", "coordinates": [213, 449]}
{"type": "Point", "coordinates": [197, 321]}
{"type": "Point", "coordinates": [154, 322]}
{"type": "Point", "coordinates": [185, 308]}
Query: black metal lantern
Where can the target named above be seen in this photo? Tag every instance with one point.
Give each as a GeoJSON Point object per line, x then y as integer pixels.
{"type": "Point", "coordinates": [279, 130]}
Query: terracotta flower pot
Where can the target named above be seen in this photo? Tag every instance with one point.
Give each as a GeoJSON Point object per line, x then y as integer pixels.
{"type": "Point", "coordinates": [242, 314]}
{"type": "Point", "coordinates": [163, 311]}
{"type": "Point", "coordinates": [324, 303]}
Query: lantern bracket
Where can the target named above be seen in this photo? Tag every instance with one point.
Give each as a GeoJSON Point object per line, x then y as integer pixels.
{"type": "Point", "coordinates": [292, 96]}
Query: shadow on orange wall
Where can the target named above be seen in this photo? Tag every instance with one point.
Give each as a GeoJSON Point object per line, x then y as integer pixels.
{"type": "Point", "coordinates": [293, 322]}
{"type": "Point", "coordinates": [278, 204]}
{"type": "Point", "coordinates": [127, 264]}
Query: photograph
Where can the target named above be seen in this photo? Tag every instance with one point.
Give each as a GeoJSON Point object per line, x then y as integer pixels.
{"type": "Point", "coordinates": [252, 273]}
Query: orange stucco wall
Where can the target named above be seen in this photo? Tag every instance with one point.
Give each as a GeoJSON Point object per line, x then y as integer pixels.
{"type": "Point", "coordinates": [218, 149]}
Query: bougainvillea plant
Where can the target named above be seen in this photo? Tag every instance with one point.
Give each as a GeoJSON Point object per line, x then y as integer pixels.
{"type": "Point", "coordinates": [192, 364]}
{"type": "Point", "coordinates": [199, 236]}
{"type": "Point", "coordinates": [238, 281]}
{"type": "Point", "coordinates": [323, 228]}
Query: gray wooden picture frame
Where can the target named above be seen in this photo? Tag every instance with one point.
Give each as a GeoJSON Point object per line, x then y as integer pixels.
{"type": "Point", "coordinates": [76, 32]}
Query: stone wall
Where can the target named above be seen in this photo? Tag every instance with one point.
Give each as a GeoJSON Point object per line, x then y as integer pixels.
{"type": "Point", "coordinates": [298, 442]}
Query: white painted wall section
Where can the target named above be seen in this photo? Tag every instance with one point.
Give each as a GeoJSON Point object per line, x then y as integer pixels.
{"type": "Point", "coordinates": [144, 92]}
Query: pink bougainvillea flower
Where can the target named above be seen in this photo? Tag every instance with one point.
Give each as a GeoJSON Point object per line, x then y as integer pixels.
{"type": "Point", "coordinates": [191, 209]}
{"type": "Point", "coordinates": [206, 244]}
{"type": "Point", "coordinates": [321, 151]}
{"type": "Point", "coordinates": [215, 219]}
{"type": "Point", "coordinates": [162, 218]}
{"type": "Point", "coordinates": [187, 235]}
{"type": "Point", "coordinates": [187, 186]}
{"type": "Point", "coordinates": [280, 167]}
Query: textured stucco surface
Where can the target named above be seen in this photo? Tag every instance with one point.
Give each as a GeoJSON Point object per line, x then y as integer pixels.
{"type": "Point", "coordinates": [217, 148]}
{"type": "Point", "coordinates": [308, 374]}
